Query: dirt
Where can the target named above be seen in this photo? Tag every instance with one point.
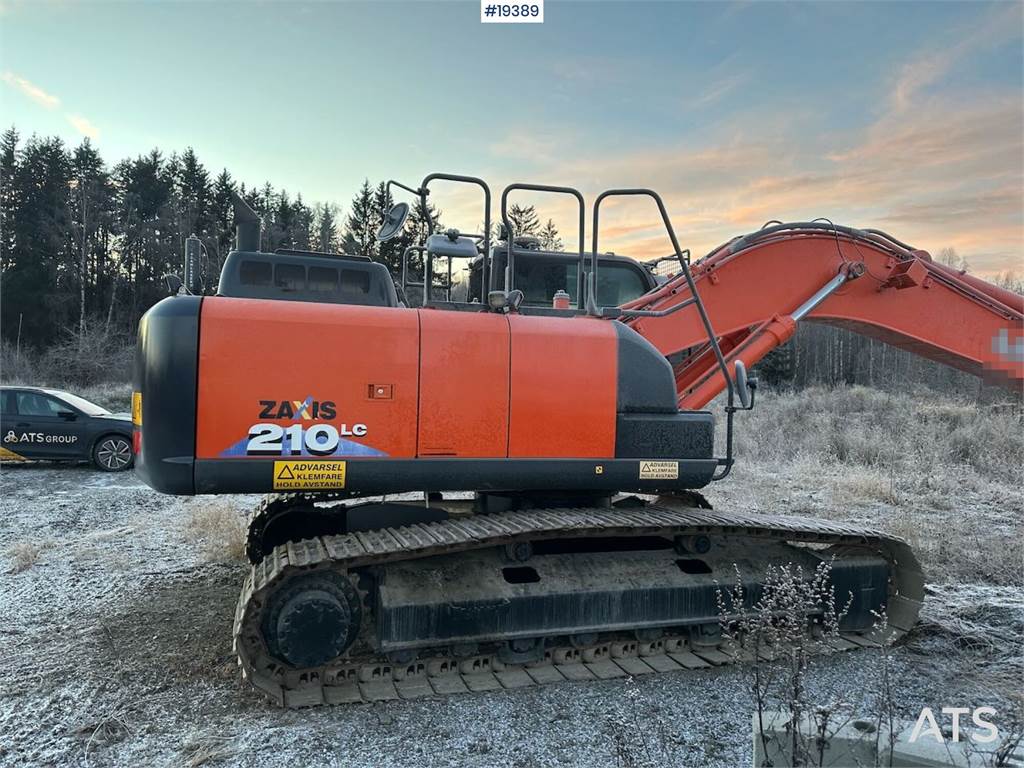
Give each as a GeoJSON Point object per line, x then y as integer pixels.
{"type": "Point", "coordinates": [115, 649]}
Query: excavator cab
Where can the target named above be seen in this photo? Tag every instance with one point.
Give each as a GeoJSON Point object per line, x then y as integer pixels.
{"type": "Point", "coordinates": [294, 275]}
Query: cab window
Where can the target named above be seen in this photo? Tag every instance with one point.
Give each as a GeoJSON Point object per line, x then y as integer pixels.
{"type": "Point", "coordinates": [34, 404]}
{"type": "Point", "coordinates": [539, 279]}
{"type": "Point", "coordinates": [322, 280]}
{"type": "Point", "coordinates": [290, 277]}
{"type": "Point", "coordinates": [256, 273]}
{"type": "Point", "coordinates": [355, 283]}
{"type": "Point", "coordinates": [7, 403]}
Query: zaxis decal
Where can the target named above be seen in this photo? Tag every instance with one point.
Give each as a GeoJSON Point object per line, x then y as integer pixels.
{"type": "Point", "coordinates": [306, 410]}
{"type": "Point", "coordinates": [299, 439]}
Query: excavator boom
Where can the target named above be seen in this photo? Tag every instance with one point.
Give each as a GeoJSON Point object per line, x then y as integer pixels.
{"type": "Point", "coordinates": [758, 287]}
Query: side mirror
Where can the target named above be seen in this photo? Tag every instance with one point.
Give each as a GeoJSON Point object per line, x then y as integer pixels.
{"type": "Point", "coordinates": [67, 415]}
{"type": "Point", "coordinates": [393, 222]}
{"type": "Point", "coordinates": [745, 386]}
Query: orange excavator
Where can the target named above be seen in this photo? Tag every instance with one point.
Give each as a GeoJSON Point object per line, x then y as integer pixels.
{"type": "Point", "coordinates": [499, 487]}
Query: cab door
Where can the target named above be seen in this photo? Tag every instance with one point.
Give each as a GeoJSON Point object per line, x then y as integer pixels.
{"type": "Point", "coordinates": [44, 427]}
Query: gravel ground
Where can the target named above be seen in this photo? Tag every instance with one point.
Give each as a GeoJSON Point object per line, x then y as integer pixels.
{"type": "Point", "coordinates": [115, 649]}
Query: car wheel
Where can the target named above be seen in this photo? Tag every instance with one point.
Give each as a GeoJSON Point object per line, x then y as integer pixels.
{"type": "Point", "coordinates": [113, 453]}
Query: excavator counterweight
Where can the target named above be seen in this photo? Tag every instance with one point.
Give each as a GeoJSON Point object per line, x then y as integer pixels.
{"type": "Point", "coordinates": [495, 484]}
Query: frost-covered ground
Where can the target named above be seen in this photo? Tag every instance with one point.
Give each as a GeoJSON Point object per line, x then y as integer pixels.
{"type": "Point", "coordinates": [115, 648]}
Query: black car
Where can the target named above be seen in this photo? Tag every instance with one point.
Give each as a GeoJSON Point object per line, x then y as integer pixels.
{"type": "Point", "coordinates": [51, 425]}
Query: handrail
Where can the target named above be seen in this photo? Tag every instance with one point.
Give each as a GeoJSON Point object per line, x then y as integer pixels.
{"type": "Point", "coordinates": [695, 299]}
{"type": "Point", "coordinates": [424, 190]}
{"type": "Point", "coordinates": [509, 270]}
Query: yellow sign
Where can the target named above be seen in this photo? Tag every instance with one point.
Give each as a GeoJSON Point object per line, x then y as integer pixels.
{"type": "Point", "coordinates": [137, 409]}
{"type": "Point", "coordinates": [659, 470]}
{"type": "Point", "coordinates": [295, 474]}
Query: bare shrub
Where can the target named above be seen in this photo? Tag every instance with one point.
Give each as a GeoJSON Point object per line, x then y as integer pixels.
{"type": "Point", "coordinates": [73, 361]}
{"type": "Point", "coordinates": [778, 632]}
{"type": "Point", "coordinates": [18, 366]}
{"type": "Point", "coordinates": [219, 530]}
{"type": "Point", "coordinates": [94, 358]}
{"type": "Point", "coordinates": [24, 554]}
{"type": "Point", "coordinates": [100, 370]}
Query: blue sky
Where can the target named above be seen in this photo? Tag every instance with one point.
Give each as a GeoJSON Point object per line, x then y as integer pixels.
{"type": "Point", "coordinates": [903, 116]}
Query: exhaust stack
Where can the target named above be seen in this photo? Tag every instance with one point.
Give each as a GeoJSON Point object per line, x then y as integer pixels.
{"type": "Point", "coordinates": [247, 225]}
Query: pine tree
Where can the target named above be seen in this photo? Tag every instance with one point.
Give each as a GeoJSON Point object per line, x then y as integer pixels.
{"type": "Point", "coordinates": [327, 229]}
{"type": "Point", "coordinates": [362, 224]}
{"type": "Point", "coordinates": [9, 198]}
{"type": "Point", "coordinates": [148, 233]}
{"type": "Point", "coordinates": [524, 220]}
{"type": "Point", "coordinates": [415, 232]}
{"type": "Point", "coordinates": [549, 239]}
{"type": "Point", "coordinates": [389, 253]}
{"type": "Point", "coordinates": [195, 195]}
{"type": "Point", "coordinates": [302, 224]}
{"type": "Point", "coordinates": [222, 217]}
{"type": "Point", "coordinates": [91, 204]}
{"type": "Point", "coordinates": [282, 222]}
{"type": "Point", "coordinates": [40, 288]}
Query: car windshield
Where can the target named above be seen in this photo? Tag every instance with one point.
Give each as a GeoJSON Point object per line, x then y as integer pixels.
{"type": "Point", "coordinates": [89, 409]}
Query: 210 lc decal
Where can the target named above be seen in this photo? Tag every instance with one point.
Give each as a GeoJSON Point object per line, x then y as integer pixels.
{"type": "Point", "coordinates": [321, 438]}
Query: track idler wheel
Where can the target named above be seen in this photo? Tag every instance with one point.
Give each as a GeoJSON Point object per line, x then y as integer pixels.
{"type": "Point", "coordinates": [312, 619]}
{"type": "Point", "coordinates": [518, 552]}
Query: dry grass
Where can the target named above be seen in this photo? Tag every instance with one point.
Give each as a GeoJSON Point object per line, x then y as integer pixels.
{"type": "Point", "coordinates": [219, 531]}
{"type": "Point", "coordinates": [945, 473]}
{"type": "Point", "coordinates": [859, 483]}
{"type": "Point", "coordinates": [24, 554]}
{"type": "Point", "coordinates": [115, 397]}
{"type": "Point", "coordinates": [923, 434]}
{"type": "Point", "coordinates": [204, 748]}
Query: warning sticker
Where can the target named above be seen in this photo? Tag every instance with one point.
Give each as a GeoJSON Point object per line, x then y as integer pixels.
{"type": "Point", "coordinates": [290, 475]}
{"type": "Point", "coordinates": [659, 470]}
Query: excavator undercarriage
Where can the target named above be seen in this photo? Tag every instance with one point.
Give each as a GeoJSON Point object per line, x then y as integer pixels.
{"type": "Point", "coordinates": [554, 438]}
{"type": "Point", "coordinates": [510, 599]}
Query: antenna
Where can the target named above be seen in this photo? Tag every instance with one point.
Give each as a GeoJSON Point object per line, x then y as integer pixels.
{"type": "Point", "coordinates": [193, 268]}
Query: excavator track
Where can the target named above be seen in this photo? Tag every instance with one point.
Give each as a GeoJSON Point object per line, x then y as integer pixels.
{"type": "Point", "coordinates": [365, 675]}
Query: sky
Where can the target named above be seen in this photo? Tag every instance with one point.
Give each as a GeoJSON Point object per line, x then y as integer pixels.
{"type": "Point", "coordinates": [906, 117]}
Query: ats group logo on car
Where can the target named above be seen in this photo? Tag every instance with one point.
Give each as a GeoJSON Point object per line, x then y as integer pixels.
{"type": "Point", "coordinates": [38, 437]}
{"type": "Point", "coordinates": [313, 431]}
